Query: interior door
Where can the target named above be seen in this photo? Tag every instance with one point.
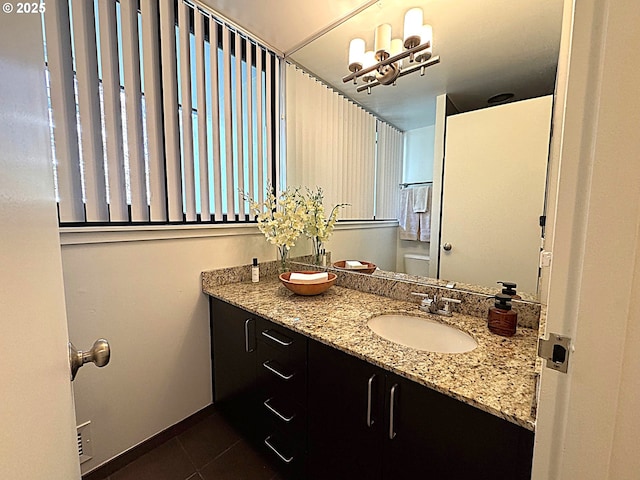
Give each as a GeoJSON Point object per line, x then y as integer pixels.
{"type": "Point", "coordinates": [493, 193]}
{"type": "Point", "coordinates": [38, 437]}
{"type": "Point", "coordinates": [587, 424]}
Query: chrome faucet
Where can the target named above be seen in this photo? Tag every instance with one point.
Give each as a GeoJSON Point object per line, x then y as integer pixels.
{"type": "Point", "coordinates": [427, 304]}
{"type": "Point", "coordinates": [446, 310]}
{"type": "Point", "coordinates": [438, 306]}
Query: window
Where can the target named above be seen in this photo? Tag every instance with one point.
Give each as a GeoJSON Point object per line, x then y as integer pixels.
{"type": "Point", "coordinates": [159, 111]}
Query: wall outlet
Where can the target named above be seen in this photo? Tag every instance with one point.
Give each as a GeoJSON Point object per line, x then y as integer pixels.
{"type": "Point", "coordinates": [85, 447]}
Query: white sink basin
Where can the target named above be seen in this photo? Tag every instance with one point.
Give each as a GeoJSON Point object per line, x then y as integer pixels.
{"type": "Point", "coordinates": [422, 333]}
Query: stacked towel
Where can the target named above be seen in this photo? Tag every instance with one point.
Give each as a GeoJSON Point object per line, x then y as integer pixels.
{"type": "Point", "coordinates": [414, 213]}
{"type": "Point", "coordinates": [422, 205]}
{"type": "Point", "coordinates": [407, 218]}
{"type": "Point", "coordinates": [421, 197]}
{"type": "Point", "coordinates": [308, 277]}
{"type": "Point", "coordinates": [424, 222]}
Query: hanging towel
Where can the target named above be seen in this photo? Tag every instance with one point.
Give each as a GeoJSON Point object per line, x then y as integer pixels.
{"type": "Point", "coordinates": [425, 218]}
{"type": "Point", "coordinates": [407, 218]}
{"type": "Point", "coordinates": [424, 224]}
{"type": "Point", "coordinates": [421, 197]}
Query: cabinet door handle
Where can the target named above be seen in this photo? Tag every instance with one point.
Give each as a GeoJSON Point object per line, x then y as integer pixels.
{"type": "Point", "coordinates": [247, 338]}
{"type": "Point", "coordinates": [282, 417]}
{"type": "Point", "coordinates": [277, 372]}
{"type": "Point", "coordinates": [392, 407]}
{"type": "Point", "coordinates": [270, 336]}
{"type": "Point", "coordinates": [369, 399]}
{"type": "Point", "coordinates": [274, 450]}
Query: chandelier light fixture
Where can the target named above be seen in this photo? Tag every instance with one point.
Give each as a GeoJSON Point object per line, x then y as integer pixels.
{"type": "Point", "coordinates": [392, 58]}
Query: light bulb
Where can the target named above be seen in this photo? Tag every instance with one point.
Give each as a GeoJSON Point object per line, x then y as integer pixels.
{"type": "Point", "coordinates": [396, 46]}
{"type": "Point", "coordinates": [382, 41]}
{"type": "Point", "coordinates": [412, 27]}
{"type": "Point", "coordinates": [426, 35]}
{"type": "Point", "coordinates": [356, 54]}
{"type": "Point", "coordinates": [368, 61]}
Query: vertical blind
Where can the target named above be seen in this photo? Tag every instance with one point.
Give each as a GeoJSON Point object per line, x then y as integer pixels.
{"type": "Point", "coordinates": [390, 148]}
{"type": "Point", "coordinates": [331, 143]}
{"type": "Point", "coordinates": [160, 112]}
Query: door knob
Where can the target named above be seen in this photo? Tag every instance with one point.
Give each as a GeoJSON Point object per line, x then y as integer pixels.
{"type": "Point", "coordinates": [99, 354]}
{"type": "Point", "coordinates": [446, 247]}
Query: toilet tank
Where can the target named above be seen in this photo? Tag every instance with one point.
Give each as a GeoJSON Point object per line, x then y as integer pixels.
{"type": "Point", "coordinates": [415, 264]}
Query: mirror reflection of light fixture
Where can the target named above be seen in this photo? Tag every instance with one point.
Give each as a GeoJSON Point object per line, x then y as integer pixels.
{"type": "Point", "coordinates": [384, 64]}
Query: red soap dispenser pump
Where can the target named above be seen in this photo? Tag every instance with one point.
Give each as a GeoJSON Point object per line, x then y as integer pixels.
{"type": "Point", "coordinates": [502, 320]}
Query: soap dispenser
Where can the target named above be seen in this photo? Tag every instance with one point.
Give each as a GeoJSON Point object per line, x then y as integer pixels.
{"type": "Point", "coordinates": [502, 320]}
{"type": "Point", "coordinates": [510, 289]}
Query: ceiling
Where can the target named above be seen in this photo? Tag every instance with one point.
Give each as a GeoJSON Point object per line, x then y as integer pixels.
{"type": "Point", "coordinates": [486, 47]}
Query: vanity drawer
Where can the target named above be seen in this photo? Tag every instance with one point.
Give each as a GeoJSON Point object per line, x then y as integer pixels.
{"type": "Point", "coordinates": [289, 343]}
{"type": "Point", "coordinates": [285, 415]}
{"type": "Point", "coordinates": [287, 452]}
{"type": "Point", "coordinates": [281, 374]}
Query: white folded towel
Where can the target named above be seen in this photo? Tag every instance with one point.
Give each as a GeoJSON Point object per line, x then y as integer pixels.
{"type": "Point", "coordinates": [308, 277]}
{"type": "Point", "coordinates": [421, 197]}
{"type": "Point", "coordinates": [424, 220]}
{"type": "Point", "coordinates": [407, 218]}
{"type": "Point", "coordinates": [353, 264]}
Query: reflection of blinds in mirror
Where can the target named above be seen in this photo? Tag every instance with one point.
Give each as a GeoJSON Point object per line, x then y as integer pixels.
{"type": "Point", "coordinates": [388, 170]}
{"type": "Point", "coordinates": [331, 144]}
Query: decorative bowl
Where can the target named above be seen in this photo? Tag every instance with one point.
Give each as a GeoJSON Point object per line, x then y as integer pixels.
{"type": "Point", "coordinates": [307, 288]}
{"type": "Point", "coordinates": [367, 268]}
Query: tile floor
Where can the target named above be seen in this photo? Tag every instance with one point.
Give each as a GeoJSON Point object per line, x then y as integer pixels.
{"type": "Point", "coordinates": [209, 450]}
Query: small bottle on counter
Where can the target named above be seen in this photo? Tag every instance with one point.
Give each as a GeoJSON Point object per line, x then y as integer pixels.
{"type": "Point", "coordinates": [323, 258]}
{"type": "Point", "coordinates": [509, 288]}
{"type": "Point", "coordinates": [255, 271]}
{"type": "Point", "coordinates": [501, 319]}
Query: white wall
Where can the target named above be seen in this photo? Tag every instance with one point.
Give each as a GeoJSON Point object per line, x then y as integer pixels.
{"type": "Point", "coordinates": [418, 154]}
{"type": "Point", "coordinates": [143, 293]}
{"type": "Point", "coordinates": [366, 241]}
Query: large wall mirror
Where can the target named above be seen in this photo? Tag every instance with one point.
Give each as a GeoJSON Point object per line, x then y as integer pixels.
{"type": "Point", "coordinates": [486, 49]}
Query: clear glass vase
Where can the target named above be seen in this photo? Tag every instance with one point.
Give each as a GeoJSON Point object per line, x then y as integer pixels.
{"type": "Point", "coordinates": [283, 259]}
{"type": "Point", "coordinates": [317, 250]}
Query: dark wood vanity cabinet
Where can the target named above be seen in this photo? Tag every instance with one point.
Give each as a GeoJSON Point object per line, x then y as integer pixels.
{"type": "Point", "coordinates": [282, 396]}
{"type": "Point", "coordinates": [346, 410]}
{"type": "Point", "coordinates": [233, 362]}
{"type": "Point", "coordinates": [260, 383]}
{"type": "Point", "coordinates": [372, 422]}
{"type": "Point", "coordinates": [321, 414]}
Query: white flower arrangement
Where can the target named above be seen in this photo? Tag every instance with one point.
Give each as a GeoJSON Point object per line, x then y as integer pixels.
{"type": "Point", "coordinates": [281, 219]}
{"type": "Point", "coordinates": [317, 227]}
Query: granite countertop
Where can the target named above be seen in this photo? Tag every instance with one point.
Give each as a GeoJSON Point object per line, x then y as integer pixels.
{"type": "Point", "coordinates": [499, 376]}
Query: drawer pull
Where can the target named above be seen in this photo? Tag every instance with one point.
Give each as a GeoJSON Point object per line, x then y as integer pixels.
{"type": "Point", "coordinates": [277, 372]}
{"type": "Point", "coordinates": [274, 450]}
{"type": "Point", "coordinates": [392, 408]}
{"type": "Point", "coordinates": [369, 399]}
{"type": "Point", "coordinates": [247, 337]}
{"type": "Point", "coordinates": [276, 412]}
{"type": "Point", "coordinates": [271, 336]}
